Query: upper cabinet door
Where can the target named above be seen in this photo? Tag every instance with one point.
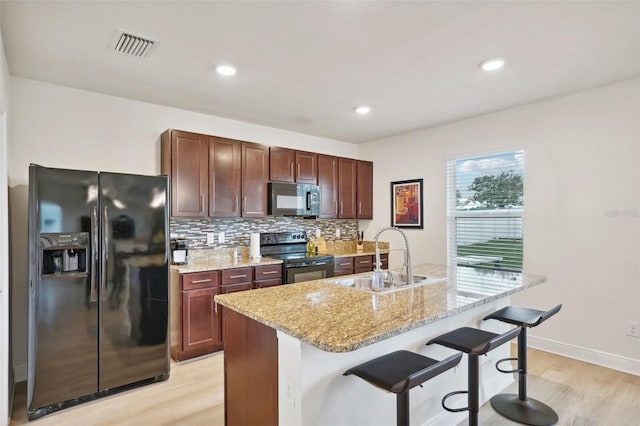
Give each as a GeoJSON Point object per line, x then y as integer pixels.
{"type": "Point", "coordinates": [255, 174]}
{"type": "Point", "coordinates": [306, 167]}
{"type": "Point", "coordinates": [281, 164]}
{"type": "Point", "coordinates": [224, 177]}
{"type": "Point", "coordinates": [185, 159]}
{"type": "Point", "coordinates": [346, 188]}
{"type": "Point", "coordinates": [365, 189]}
{"type": "Point", "coordinates": [328, 183]}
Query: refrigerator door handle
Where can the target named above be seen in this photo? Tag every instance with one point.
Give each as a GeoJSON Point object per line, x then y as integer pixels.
{"type": "Point", "coordinates": [105, 252]}
{"type": "Point", "coordinates": [94, 254]}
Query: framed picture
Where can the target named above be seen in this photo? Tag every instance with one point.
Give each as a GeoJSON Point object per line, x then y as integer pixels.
{"type": "Point", "coordinates": [407, 204]}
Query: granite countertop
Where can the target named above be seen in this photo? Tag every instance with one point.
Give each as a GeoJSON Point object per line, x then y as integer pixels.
{"type": "Point", "coordinates": [350, 248]}
{"type": "Point", "coordinates": [216, 259]}
{"type": "Point", "coordinates": [202, 260]}
{"type": "Point", "coordinates": [341, 319]}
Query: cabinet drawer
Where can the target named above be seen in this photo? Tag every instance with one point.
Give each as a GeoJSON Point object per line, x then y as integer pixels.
{"type": "Point", "coordinates": [200, 280]}
{"type": "Point", "coordinates": [362, 262]}
{"type": "Point", "coordinates": [268, 272]}
{"type": "Point", "coordinates": [232, 288]}
{"type": "Point", "coordinates": [343, 263]}
{"type": "Point", "coordinates": [236, 276]}
{"type": "Point", "coordinates": [384, 261]}
{"type": "Point", "coordinates": [267, 283]}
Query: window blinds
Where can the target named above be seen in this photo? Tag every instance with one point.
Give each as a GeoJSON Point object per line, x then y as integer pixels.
{"type": "Point", "coordinates": [484, 211]}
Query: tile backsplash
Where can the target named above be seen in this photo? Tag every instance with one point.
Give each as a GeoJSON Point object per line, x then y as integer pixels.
{"type": "Point", "coordinates": [237, 231]}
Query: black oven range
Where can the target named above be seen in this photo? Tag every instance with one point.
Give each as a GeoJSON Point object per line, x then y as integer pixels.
{"type": "Point", "coordinates": [298, 265]}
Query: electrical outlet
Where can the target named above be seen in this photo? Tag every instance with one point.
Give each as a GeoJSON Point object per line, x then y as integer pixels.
{"type": "Point", "coordinates": [210, 238]}
{"type": "Point", "coordinates": [221, 238]}
{"type": "Point", "coordinates": [338, 233]}
{"type": "Point", "coordinates": [318, 233]}
{"type": "Point", "coordinates": [633, 329]}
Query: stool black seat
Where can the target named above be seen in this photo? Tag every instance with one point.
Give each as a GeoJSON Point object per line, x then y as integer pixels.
{"type": "Point", "coordinates": [400, 371]}
{"type": "Point", "coordinates": [473, 342]}
{"type": "Point", "coordinates": [521, 408]}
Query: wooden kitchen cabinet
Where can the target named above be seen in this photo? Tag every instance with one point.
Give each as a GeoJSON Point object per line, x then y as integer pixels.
{"type": "Point", "coordinates": [236, 279]}
{"type": "Point", "coordinates": [384, 261]}
{"type": "Point", "coordinates": [342, 266]}
{"type": "Point", "coordinates": [225, 177]}
{"type": "Point", "coordinates": [267, 276]}
{"type": "Point", "coordinates": [255, 174]}
{"type": "Point", "coordinates": [281, 164]}
{"type": "Point", "coordinates": [288, 165]}
{"type": "Point", "coordinates": [346, 188]}
{"type": "Point", "coordinates": [306, 167]}
{"type": "Point", "coordinates": [328, 183]}
{"type": "Point", "coordinates": [358, 264]}
{"type": "Point", "coordinates": [362, 264]}
{"type": "Point", "coordinates": [184, 158]}
{"type": "Point", "coordinates": [364, 191]}
{"type": "Point", "coordinates": [196, 327]}
{"type": "Point", "coordinates": [200, 322]}
{"type": "Point", "coordinates": [219, 177]}
{"type": "Point", "coordinates": [215, 177]}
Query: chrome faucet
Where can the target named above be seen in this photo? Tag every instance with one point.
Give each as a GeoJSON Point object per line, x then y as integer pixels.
{"type": "Point", "coordinates": [407, 257]}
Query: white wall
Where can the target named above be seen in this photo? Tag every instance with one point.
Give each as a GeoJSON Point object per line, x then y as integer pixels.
{"type": "Point", "coordinates": [582, 187]}
{"type": "Point", "coordinates": [61, 127]}
{"type": "Point", "coordinates": [57, 126]}
{"type": "Point", "coordinates": [5, 383]}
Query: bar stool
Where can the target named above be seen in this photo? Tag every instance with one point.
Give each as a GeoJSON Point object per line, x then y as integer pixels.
{"type": "Point", "coordinates": [519, 407]}
{"type": "Point", "coordinates": [473, 342]}
{"type": "Point", "coordinates": [400, 371]}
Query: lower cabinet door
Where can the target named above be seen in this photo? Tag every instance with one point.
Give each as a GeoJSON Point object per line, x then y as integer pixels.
{"type": "Point", "coordinates": [200, 321]}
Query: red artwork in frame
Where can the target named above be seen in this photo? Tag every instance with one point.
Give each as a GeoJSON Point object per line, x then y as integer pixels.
{"type": "Point", "coordinates": [407, 204]}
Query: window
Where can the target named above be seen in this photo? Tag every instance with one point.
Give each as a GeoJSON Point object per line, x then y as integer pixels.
{"type": "Point", "coordinates": [484, 213]}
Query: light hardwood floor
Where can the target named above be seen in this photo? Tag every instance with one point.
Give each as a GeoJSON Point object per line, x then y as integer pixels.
{"type": "Point", "coordinates": [582, 394]}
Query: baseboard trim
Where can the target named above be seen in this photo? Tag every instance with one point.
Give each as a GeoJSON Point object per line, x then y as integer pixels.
{"type": "Point", "coordinates": [603, 359]}
{"type": "Point", "coordinates": [20, 372]}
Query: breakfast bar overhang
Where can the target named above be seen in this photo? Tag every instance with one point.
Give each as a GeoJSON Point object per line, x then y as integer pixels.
{"type": "Point", "coordinates": [287, 347]}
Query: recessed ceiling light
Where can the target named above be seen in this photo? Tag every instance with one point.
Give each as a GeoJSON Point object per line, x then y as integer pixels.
{"type": "Point", "coordinates": [362, 109]}
{"type": "Point", "coordinates": [492, 64]}
{"type": "Point", "coordinates": [226, 70]}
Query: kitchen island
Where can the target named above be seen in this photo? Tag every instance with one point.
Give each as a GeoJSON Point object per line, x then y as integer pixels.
{"type": "Point", "coordinates": [286, 347]}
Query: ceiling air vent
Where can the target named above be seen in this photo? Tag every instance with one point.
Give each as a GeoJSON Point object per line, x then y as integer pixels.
{"type": "Point", "coordinates": [131, 44]}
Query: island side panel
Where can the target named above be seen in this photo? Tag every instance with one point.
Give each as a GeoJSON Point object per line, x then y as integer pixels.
{"type": "Point", "coordinates": [329, 398]}
{"type": "Point", "coordinates": [250, 371]}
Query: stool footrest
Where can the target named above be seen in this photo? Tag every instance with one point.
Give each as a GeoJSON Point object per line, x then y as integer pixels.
{"type": "Point", "coordinates": [517, 370]}
{"type": "Point", "coordinates": [454, 410]}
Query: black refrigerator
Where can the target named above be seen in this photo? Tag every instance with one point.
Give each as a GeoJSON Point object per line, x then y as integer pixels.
{"type": "Point", "coordinates": [98, 285]}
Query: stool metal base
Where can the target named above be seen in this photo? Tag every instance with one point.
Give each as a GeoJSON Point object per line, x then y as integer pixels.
{"type": "Point", "coordinates": [528, 412]}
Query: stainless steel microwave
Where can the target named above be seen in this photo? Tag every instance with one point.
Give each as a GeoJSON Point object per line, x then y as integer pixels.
{"type": "Point", "coordinates": [294, 199]}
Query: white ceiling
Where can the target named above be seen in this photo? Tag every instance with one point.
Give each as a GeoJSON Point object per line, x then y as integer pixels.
{"type": "Point", "coordinates": [304, 66]}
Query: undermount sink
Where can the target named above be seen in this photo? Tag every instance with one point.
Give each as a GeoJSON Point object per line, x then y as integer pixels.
{"type": "Point", "coordinates": [391, 283]}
